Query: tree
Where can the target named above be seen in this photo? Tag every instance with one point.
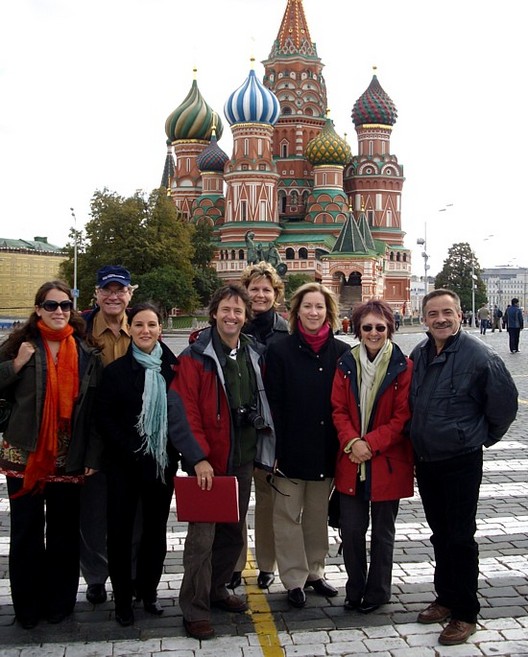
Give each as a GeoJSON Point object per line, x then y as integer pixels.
{"type": "Point", "coordinates": [205, 280]}
{"type": "Point", "coordinates": [457, 275]}
{"type": "Point", "coordinates": [292, 282]}
{"type": "Point", "coordinates": [145, 235]}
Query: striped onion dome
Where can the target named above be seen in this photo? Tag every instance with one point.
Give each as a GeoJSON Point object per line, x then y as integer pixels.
{"type": "Point", "coordinates": [193, 119]}
{"type": "Point", "coordinates": [213, 157]}
{"type": "Point", "coordinates": [328, 147]}
{"type": "Point", "coordinates": [252, 103]}
{"type": "Point", "coordinates": [374, 106]}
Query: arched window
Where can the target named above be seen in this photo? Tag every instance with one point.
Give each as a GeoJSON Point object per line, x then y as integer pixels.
{"type": "Point", "coordinates": [233, 254]}
{"type": "Point", "coordinates": [290, 254]}
{"type": "Point", "coordinates": [303, 253]}
{"type": "Point", "coordinates": [241, 255]}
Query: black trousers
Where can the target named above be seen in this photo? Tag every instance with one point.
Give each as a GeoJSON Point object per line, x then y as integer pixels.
{"type": "Point", "coordinates": [450, 490]}
{"type": "Point", "coordinates": [44, 549]}
{"type": "Point", "coordinates": [373, 585]}
{"type": "Point", "coordinates": [514, 335]}
{"type": "Point", "coordinates": [127, 488]}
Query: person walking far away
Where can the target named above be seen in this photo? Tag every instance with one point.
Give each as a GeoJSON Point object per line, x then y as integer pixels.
{"type": "Point", "coordinates": [462, 399]}
{"type": "Point", "coordinates": [514, 324]}
{"type": "Point", "coordinates": [108, 324]}
{"type": "Point", "coordinates": [497, 319]}
{"type": "Point", "coordinates": [483, 316]}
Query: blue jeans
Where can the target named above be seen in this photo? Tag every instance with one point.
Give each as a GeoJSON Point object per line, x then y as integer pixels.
{"type": "Point", "coordinates": [450, 490]}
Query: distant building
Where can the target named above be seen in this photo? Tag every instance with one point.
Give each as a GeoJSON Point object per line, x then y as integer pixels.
{"type": "Point", "coordinates": [505, 283]}
{"type": "Point", "coordinates": [24, 266]}
{"type": "Point", "coordinates": [292, 183]}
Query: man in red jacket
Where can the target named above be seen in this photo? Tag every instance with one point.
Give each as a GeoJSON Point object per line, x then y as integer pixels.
{"type": "Point", "coordinates": [219, 381]}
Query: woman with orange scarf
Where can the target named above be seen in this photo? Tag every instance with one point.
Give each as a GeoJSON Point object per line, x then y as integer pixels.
{"type": "Point", "coordinates": [49, 373]}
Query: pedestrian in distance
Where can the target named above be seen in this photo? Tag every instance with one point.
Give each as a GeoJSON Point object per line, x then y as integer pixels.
{"type": "Point", "coordinates": [108, 324]}
{"type": "Point", "coordinates": [299, 374]}
{"type": "Point", "coordinates": [266, 291]}
{"type": "Point", "coordinates": [139, 462]}
{"type": "Point", "coordinates": [462, 399]}
{"type": "Point", "coordinates": [375, 468]}
{"type": "Point", "coordinates": [50, 371]}
{"type": "Point", "coordinates": [219, 381]}
{"type": "Point", "coordinates": [483, 316]}
{"type": "Point", "coordinates": [514, 324]}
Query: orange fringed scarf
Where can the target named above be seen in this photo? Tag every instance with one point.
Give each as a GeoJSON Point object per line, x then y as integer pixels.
{"type": "Point", "coordinates": [58, 405]}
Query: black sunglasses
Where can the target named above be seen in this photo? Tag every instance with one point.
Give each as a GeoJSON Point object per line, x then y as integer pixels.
{"type": "Point", "coordinates": [380, 328]}
{"type": "Point", "coordinates": [51, 306]}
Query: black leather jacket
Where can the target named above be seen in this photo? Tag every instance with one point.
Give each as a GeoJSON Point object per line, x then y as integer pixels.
{"type": "Point", "coordinates": [462, 399]}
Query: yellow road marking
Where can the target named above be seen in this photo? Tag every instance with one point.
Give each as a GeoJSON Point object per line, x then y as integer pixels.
{"type": "Point", "coordinates": [263, 622]}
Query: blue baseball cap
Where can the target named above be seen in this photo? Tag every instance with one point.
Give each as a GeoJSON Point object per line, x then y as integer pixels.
{"type": "Point", "coordinates": [113, 274]}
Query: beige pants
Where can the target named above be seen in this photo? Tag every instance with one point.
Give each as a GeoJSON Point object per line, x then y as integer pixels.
{"type": "Point", "coordinates": [300, 523]}
{"type": "Point", "coordinates": [264, 537]}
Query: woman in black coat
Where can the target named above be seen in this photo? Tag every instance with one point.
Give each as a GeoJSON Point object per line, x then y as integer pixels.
{"type": "Point", "coordinates": [298, 379]}
{"type": "Point", "coordinates": [140, 463]}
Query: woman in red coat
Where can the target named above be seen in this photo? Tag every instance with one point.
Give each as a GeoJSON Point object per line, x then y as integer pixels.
{"type": "Point", "coordinates": [374, 470]}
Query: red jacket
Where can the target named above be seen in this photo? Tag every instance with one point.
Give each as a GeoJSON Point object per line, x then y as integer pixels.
{"type": "Point", "coordinates": [390, 471]}
{"type": "Point", "coordinates": [199, 386]}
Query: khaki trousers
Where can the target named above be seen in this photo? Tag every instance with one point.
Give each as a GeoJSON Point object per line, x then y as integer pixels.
{"type": "Point", "coordinates": [300, 523]}
{"type": "Point", "coordinates": [264, 537]}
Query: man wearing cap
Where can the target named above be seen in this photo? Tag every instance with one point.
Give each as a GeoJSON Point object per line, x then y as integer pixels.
{"type": "Point", "coordinates": [107, 322]}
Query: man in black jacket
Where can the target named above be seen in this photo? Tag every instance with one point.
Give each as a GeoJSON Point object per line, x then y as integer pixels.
{"type": "Point", "coordinates": [462, 398]}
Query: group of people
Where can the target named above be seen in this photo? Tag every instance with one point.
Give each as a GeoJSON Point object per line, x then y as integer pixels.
{"type": "Point", "coordinates": [103, 412]}
{"type": "Point", "coordinates": [511, 320]}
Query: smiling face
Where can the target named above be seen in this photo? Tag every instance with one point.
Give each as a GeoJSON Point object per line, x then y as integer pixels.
{"type": "Point", "coordinates": [262, 294]}
{"type": "Point", "coordinates": [230, 317]}
{"type": "Point", "coordinates": [443, 318]}
{"type": "Point", "coordinates": [312, 312]}
{"type": "Point", "coordinates": [113, 299]}
{"type": "Point", "coordinates": [58, 318]}
{"type": "Point", "coordinates": [374, 333]}
{"type": "Point", "coordinates": [145, 330]}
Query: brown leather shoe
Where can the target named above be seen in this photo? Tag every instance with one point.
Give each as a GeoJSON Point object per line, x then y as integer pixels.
{"type": "Point", "coordinates": [232, 603]}
{"type": "Point", "coordinates": [456, 632]}
{"type": "Point", "coordinates": [200, 629]}
{"type": "Point", "coordinates": [434, 613]}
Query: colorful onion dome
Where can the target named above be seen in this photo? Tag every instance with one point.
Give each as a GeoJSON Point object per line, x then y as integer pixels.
{"type": "Point", "coordinates": [328, 147]}
{"type": "Point", "coordinates": [374, 106]}
{"type": "Point", "coordinates": [213, 157]}
{"type": "Point", "coordinates": [193, 119]}
{"type": "Point", "coordinates": [252, 103]}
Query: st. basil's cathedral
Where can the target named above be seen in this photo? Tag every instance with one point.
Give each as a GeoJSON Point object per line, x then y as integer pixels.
{"type": "Point", "coordinates": [292, 183]}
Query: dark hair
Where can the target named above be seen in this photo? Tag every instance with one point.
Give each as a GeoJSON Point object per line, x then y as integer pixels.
{"type": "Point", "coordinates": [29, 330]}
{"type": "Point", "coordinates": [332, 306]}
{"type": "Point", "coordinates": [140, 307]}
{"type": "Point", "coordinates": [376, 307]}
{"type": "Point", "coordinates": [440, 292]}
{"type": "Point", "coordinates": [514, 301]}
{"type": "Point", "coordinates": [228, 292]}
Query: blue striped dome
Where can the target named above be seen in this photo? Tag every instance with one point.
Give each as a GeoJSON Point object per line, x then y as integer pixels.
{"type": "Point", "coordinates": [252, 103]}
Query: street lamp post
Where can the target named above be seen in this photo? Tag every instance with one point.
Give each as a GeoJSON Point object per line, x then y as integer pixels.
{"type": "Point", "coordinates": [75, 291]}
{"type": "Point", "coordinates": [422, 241]}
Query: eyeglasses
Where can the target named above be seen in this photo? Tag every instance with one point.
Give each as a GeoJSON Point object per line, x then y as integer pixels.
{"type": "Point", "coordinates": [108, 293]}
{"type": "Point", "coordinates": [51, 306]}
{"type": "Point", "coordinates": [380, 328]}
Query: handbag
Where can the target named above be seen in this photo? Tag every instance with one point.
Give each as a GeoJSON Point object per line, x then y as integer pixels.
{"type": "Point", "coordinates": [5, 413]}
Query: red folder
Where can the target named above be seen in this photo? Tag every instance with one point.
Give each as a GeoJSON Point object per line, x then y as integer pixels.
{"type": "Point", "coordinates": [220, 504]}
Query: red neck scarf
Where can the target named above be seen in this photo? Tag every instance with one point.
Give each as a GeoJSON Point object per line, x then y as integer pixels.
{"type": "Point", "coordinates": [58, 405]}
{"type": "Point", "coordinates": [314, 340]}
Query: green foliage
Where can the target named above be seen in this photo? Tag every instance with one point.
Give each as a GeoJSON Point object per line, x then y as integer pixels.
{"type": "Point", "coordinates": [205, 278]}
{"type": "Point", "coordinates": [205, 282]}
{"type": "Point", "coordinates": [148, 236]}
{"type": "Point", "coordinates": [457, 273]}
{"type": "Point", "coordinates": [294, 281]}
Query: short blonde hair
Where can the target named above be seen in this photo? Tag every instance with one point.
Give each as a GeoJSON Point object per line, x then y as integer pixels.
{"type": "Point", "coordinates": [332, 305]}
{"type": "Point", "coordinates": [264, 270]}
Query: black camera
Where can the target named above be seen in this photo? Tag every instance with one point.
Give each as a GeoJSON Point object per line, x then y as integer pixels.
{"type": "Point", "coordinates": [248, 415]}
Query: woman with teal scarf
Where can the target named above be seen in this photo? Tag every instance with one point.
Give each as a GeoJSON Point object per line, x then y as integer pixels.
{"type": "Point", "coordinates": [132, 417]}
{"type": "Point", "coordinates": [374, 469]}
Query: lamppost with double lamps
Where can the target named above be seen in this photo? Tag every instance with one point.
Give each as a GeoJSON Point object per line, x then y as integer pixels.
{"type": "Point", "coordinates": [422, 241]}
{"type": "Point", "coordinates": [75, 291]}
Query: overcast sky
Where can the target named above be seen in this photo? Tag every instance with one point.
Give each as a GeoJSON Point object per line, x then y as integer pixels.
{"type": "Point", "coordinates": [85, 88]}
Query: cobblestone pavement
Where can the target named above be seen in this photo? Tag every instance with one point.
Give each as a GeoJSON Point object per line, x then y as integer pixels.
{"type": "Point", "coordinates": [271, 628]}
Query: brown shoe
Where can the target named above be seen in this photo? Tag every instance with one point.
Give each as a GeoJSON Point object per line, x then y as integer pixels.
{"type": "Point", "coordinates": [456, 632]}
{"type": "Point", "coordinates": [200, 629]}
{"type": "Point", "coordinates": [232, 603]}
{"type": "Point", "coordinates": [434, 613]}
